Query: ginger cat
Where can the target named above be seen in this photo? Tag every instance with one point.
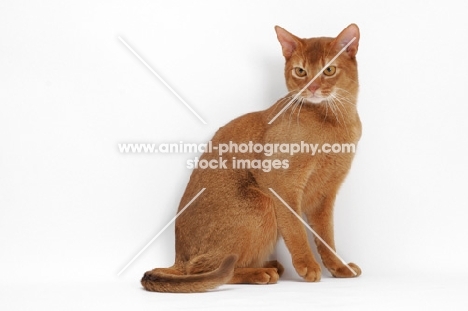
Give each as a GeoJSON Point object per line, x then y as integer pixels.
{"type": "Point", "coordinates": [227, 234]}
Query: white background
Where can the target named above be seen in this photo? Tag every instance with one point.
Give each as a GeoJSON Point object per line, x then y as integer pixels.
{"type": "Point", "coordinates": [73, 210]}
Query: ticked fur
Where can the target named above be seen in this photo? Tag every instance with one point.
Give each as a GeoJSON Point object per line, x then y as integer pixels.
{"type": "Point", "coordinates": [228, 233]}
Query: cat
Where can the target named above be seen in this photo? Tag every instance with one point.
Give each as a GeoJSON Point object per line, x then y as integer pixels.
{"type": "Point", "coordinates": [227, 234]}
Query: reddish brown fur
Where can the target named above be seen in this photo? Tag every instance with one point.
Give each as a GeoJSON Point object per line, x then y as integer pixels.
{"type": "Point", "coordinates": [227, 234]}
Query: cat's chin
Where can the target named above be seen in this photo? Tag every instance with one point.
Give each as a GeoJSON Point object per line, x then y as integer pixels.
{"type": "Point", "coordinates": [315, 99]}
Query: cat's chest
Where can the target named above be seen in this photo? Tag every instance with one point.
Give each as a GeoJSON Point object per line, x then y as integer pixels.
{"type": "Point", "coordinates": [313, 126]}
{"type": "Point", "coordinates": [315, 134]}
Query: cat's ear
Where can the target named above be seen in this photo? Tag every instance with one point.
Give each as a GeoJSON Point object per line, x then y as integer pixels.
{"type": "Point", "coordinates": [350, 32]}
{"type": "Point", "coordinates": [288, 41]}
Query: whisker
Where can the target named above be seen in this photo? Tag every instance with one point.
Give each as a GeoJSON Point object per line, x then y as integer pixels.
{"type": "Point", "coordinates": [341, 113]}
{"type": "Point", "coordinates": [326, 112]}
{"type": "Point", "coordinates": [300, 108]}
{"type": "Point", "coordinates": [342, 97]}
{"type": "Point", "coordinates": [279, 104]}
{"type": "Point", "coordinates": [344, 101]}
{"type": "Point", "coordinates": [293, 108]}
{"type": "Point", "coordinates": [339, 100]}
{"type": "Point", "coordinates": [333, 108]}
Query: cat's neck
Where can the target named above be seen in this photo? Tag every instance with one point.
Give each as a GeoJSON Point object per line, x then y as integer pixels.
{"type": "Point", "coordinates": [325, 119]}
{"type": "Point", "coordinates": [329, 112]}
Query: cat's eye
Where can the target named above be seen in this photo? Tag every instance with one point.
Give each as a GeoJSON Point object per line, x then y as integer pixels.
{"type": "Point", "coordinates": [329, 71]}
{"type": "Point", "coordinates": [300, 72]}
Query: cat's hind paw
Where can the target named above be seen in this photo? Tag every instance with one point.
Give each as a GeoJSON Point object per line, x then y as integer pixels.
{"type": "Point", "coordinates": [275, 264]}
{"type": "Point", "coordinates": [255, 276]}
{"type": "Point", "coordinates": [267, 276]}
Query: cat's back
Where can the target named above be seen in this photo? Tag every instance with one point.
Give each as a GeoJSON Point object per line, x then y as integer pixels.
{"type": "Point", "coordinates": [248, 127]}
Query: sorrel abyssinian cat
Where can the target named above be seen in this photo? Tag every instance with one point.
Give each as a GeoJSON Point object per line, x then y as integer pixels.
{"type": "Point", "coordinates": [227, 234]}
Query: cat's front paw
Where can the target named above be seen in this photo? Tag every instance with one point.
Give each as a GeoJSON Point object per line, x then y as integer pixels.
{"type": "Point", "coordinates": [308, 269]}
{"type": "Point", "coordinates": [344, 272]}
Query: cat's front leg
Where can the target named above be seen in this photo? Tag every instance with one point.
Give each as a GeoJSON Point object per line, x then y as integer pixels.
{"type": "Point", "coordinates": [306, 266]}
{"type": "Point", "coordinates": [321, 220]}
{"type": "Point", "coordinates": [295, 238]}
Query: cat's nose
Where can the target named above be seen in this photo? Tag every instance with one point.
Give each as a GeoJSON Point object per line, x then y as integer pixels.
{"type": "Point", "coordinates": [313, 87]}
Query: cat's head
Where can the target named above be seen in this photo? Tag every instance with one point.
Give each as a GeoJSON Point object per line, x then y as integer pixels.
{"type": "Point", "coordinates": [305, 58]}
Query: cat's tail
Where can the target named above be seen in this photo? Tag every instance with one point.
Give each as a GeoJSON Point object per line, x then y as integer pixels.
{"type": "Point", "coordinates": [158, 281]}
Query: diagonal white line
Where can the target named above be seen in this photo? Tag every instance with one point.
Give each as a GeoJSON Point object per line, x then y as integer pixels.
{"type": "Point", "coordinates": [313, 231]}
{"type": "Point", "coordinates": [162, 80]}
{"type": "Point", "coordinates": [160, 232]}
{"type": "Point", "coordinates": [313, 79]}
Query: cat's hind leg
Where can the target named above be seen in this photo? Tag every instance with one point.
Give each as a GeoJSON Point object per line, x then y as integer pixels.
{"type": "Point", "coordinates": [268, 274]}
{"type": "Point", "coordinates": [255, 276]}
{"type": "Point", "coordinates": [275, 264]}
